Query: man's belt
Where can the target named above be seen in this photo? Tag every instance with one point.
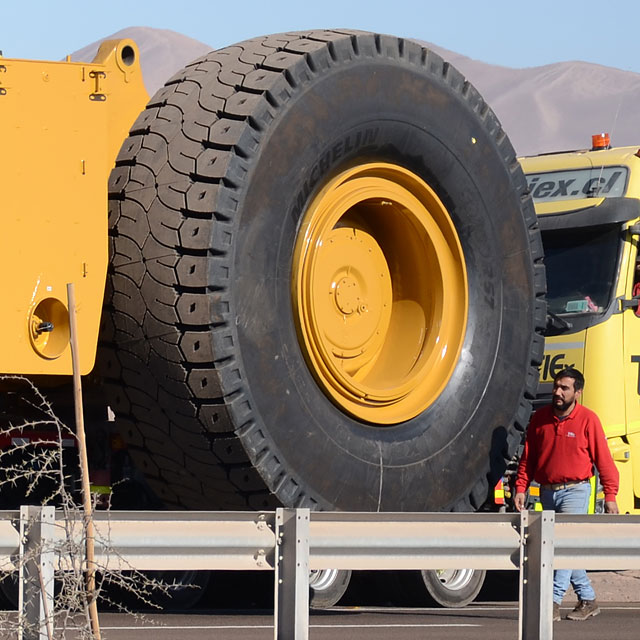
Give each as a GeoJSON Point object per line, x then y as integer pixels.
{"type": "Point", "coordinates": [562, 485]}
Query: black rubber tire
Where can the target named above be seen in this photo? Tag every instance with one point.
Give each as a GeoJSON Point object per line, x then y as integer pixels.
{"type": "Point", "coordinates": [185, 590]}
{"type": "Point", "coordinates": [425, 588]}
{"type": "Point", "coordinates": [10, 588]}
{"type": "Point", "coordinates": [327, 587]}
{"type": "Point", "coordinates": [207, 378]}
{"type": "Point", "coordinates": [461, 591]}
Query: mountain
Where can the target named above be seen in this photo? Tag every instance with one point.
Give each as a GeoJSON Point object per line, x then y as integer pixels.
{"type": "Point", "coordinates": [548, 108]}
{"type": "Point", "coordinates": [557, 106]}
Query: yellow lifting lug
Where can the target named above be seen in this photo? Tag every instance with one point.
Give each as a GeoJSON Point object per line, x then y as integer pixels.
{"type": "Point", "coordinates": [117, 57]}
{"type": "Point", "coordinates": [120, 55]}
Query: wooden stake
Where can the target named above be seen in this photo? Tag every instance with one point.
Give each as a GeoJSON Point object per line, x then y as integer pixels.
{"type": "Point", "coordinates": [84, 464]}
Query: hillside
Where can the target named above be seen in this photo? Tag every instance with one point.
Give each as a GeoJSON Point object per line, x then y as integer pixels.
{"type": "Point", "coordinates": [552, 107]}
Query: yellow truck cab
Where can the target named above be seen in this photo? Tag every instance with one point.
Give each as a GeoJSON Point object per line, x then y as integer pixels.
{"type": "Point", "coordinates": [588, 205]}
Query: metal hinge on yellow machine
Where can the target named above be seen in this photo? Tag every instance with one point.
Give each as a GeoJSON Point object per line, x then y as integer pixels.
{"type": "Point", "coordinates": [3, 71]}
{"type": "Point", "coordinates": [97, 94]}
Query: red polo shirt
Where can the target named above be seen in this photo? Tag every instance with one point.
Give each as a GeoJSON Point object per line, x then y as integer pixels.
{"type": "Point", "coordinates": [566, 450]}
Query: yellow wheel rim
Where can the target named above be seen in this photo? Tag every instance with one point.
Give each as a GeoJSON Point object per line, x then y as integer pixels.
{"type": "Point", "coordinates": [380, 293]}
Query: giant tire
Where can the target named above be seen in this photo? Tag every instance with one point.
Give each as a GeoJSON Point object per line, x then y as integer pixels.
{"type": "Point", "coordinates": [209, 346]}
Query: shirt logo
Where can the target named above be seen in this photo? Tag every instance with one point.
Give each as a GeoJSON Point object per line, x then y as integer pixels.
{"type": "Point", "coordinates": [570, 434]}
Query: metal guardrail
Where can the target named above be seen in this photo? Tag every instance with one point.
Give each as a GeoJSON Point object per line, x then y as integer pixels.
{"type": "Point", "coordinates": [292, 541]}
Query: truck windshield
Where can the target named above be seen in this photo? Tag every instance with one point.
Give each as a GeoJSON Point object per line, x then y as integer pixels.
{"type": "Point", "coordinates": [581, 268]}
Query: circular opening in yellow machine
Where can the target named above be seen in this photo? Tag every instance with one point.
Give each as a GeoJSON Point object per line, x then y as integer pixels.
{"type": "Point", "coordinates": [380, 292]}
{"type": "Point", "coordinates": [49, 328]}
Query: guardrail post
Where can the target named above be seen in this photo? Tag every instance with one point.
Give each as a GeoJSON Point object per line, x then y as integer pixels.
{"type": "Point", "coordinates": [292, 575]}
{"type": "Point", "coordinates": [536, 575]}
{"type": "Point", "coordinates": [36, 573]}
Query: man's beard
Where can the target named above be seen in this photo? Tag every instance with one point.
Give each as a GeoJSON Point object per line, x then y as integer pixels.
{"type": "Point", "coordinates": [563, 406]}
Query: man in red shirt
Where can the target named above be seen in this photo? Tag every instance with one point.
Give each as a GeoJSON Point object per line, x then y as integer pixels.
{"type": "Point", "coordinates": [564, 442]}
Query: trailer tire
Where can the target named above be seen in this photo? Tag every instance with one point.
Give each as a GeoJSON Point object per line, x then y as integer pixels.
{"type": "Point", "coordinates": [10, 588]}
{"type": "Point", "coordinates": [167, 590]}
{"type": "Point", "coordinates": [231, 376]}
{"type": "Point", "coordinates": [327, 586]}
{"type": "Point", "coordinates": [185, 589]}
{"type": "Point", "coordinates": [453, 587]}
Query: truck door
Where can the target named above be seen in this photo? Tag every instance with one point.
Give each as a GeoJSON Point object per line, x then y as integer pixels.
{"type": "Point", "coordinates": [631, 365]}
{"type": "Point", "coordinates": [631, 340]}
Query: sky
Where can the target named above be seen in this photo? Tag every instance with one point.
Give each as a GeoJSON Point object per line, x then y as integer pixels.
{"type": "Point", "coordinates": [509, 33]}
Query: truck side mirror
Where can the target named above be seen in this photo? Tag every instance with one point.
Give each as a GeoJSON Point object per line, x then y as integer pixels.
{"type": "Point", "coordinates": [631, 303]}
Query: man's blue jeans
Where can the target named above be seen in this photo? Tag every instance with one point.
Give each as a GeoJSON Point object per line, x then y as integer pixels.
{"type": "Point", "coordinates": [572, 500]}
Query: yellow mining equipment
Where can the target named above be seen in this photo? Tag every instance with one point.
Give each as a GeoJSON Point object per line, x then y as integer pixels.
{"type": "Point", "coordinates": [588, 204]}
{"type": "Point", "coordinates": [325, 282]}
{"type": "Point", "coordinates": [324, 228]}
{"type": "Point", "coordinates": [61, 126]}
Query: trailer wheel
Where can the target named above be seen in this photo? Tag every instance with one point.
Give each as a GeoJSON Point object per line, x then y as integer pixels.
{"type": "Point", "coordinates": [453, 587]}
{"type": "Point", "coordinates": [435, 587]}
{"type": "Point", "coordinates": [185, 588]}
{"type": "Point", "coordinates": [9, 588]}
{"type": "Point", "coordinates": [167, 590]}
{"type": "Point", "coordinates": [327, 586]}
{"type": "Point", "coordinates": [326, 284]}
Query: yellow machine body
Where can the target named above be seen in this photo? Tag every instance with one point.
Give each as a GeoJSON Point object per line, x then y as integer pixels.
{"type": "Point", "coordinates": [603, 340]}
{"type": "Point", "coordinates": [61, 126]}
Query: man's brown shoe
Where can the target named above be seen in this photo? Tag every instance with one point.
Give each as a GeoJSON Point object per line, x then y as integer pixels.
{"type": "Point", "coordinates": [584, 609]}
{"type": "Point", "coordinates": [556, 612]}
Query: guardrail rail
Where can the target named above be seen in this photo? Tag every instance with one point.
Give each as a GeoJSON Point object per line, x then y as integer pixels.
{"type": "Point", "coordinates": [291, 542]}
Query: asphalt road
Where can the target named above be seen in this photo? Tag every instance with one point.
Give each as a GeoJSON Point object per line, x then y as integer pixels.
{"type": "Point", "coordinates": [487, 621]}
